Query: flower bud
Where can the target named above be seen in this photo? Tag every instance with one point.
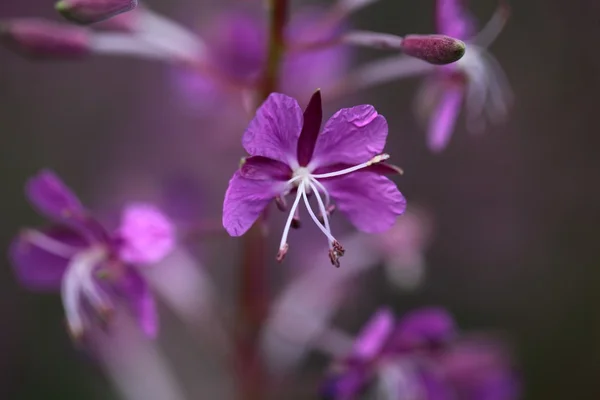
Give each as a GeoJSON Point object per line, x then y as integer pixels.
{"type": "Point", "coordinates": [435, 49]}
{"type": "Point", "coordinates": [91, 11]}
{"type": "Point", "coordinates": [37, 38]}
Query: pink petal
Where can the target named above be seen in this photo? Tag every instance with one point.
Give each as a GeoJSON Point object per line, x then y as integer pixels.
{"type": "Point", "coordinates": [137, 293]}
{"type": "Point", "coordinates": [147, 234]}
{"type": "Point", "coordinates": [351, 136]}
{"type": "Point", "coordinates": [453, 20]}
{"type": "Point", "coordinates": [274, 131]}
{"type": "Point", "coordinates": [427, 327]}
{"type": "Point", "coordinates": [51, 197]}
{"type": "Point", "coordinates": [313, 117]}
{"type": "Point", "coordinates": [245, 200]}
{"type": "Point", "coordinates": [371, 201]}
{"type": "Point", "coordinates": [262, 168]}
{"type": "Point", "coordinates": [35, 267]}
{"type": "Point", "coordinates": [374, 335]}
{"type": "Point", "coordinates": [444, 119]}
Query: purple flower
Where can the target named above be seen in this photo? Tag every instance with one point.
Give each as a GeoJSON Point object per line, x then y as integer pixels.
{"type": "Point", "coordinates": [236, 54]}
{"type": "Point", "coordinates": [476, 79]}
{"type": "Point", "coordinates": [93, 268]}
{"type": "Point", "coordinates": [289, 154]}
{"type": "Point", "coordinates": [421, 356]}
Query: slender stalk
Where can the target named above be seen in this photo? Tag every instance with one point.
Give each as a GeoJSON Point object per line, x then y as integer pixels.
{"type": "Point", "coordinates": [254, 296]}
{"type": "Point", "coordinates": [278, 19]}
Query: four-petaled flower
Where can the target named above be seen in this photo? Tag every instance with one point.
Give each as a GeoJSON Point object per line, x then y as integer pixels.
{"type": "Point", "coordinates": [477, 78]}
{"type": "Point", "coordinates": [93, 267]}
{"type": "Point", "coordinates": [289, 154]}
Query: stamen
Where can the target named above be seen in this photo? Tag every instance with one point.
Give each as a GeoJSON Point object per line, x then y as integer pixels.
{"type": "Point", "coordinates": [282, 252]}
{"type": "Point", "coordinates": [50, 244]}
{"type": "Point", "coordinates": [334, 258]}
{"type": "Point", "coordinates": [296, 224]}
{"type": "Point", "coordinates": [321, 205]}
{"type": "Point", "coordinates": [283, 246]}
{"type": "Point", "coordinates": [324, 190]}
{"type": "Point", "coordinates": [78, 279]}
{"type": "Point", "coordinates": [377, 159]}
{"type": "Point", "coordinates": [316, 220]}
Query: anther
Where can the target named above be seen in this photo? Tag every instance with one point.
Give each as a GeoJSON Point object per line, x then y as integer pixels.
{"type": "Point", "coordinates": [338, 248]}
{"type": "Point", "coordinates": [334, 258]}
{"type": "Point", "coordinates": [282, 252]}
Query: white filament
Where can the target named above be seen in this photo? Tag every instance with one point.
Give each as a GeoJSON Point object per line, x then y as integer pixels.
{"type": "Point", "coordinates": [307, 182]}
{"type": "Point", "coordinates": [78, 280]}
{"type": "Point", "coordinates": [288, 223]}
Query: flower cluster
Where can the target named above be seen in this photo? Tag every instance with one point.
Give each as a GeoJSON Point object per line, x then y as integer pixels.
{"type": "Point", "coordinates": [247, 65]}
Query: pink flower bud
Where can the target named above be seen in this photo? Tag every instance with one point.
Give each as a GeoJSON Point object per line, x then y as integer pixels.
{"type": "Point", "coordinates": [91, 11]}
{"type": "Point", "coordinates": [435, 49]}
{"type": "Point", "coordinates": [38, 38]}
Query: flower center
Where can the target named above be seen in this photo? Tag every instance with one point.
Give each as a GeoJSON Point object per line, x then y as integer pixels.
{"type": "Point", "coordinates": [302, 173]}
{"type": "Point", "coordinates": [306, 182]}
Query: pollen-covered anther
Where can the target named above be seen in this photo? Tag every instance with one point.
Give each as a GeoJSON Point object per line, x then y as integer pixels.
{"type": "Point", "coordinates": [379, 158]}
{"type": "Point", "coordinates": [334, 257]}
{"type": "Point", "coordinates": [338, 248]}
{"type": "Point", "coordinates": [282, 252]}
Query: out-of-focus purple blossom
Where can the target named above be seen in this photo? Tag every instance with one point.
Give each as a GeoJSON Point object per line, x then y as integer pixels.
{"type": "Point", "coordinates": [402, 248]}
{"type": "Point", "coordinates": [236, 54]}
{"type": "Point", "coordinates": [94, 268]}
{"type": "Point", "coordinates": [91, 11]}
{"type": "Point", "coordinates": [477, 80]}
{"type": "Point", "coordinates": [422, 356]}
{"type": "Point", "coordinates": [289, 153]}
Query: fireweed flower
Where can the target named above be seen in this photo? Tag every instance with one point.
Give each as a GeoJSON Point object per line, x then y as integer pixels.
{"type": "Point", "coordinates": [421, 356]}
{"type": "Point", "coordinates": [477, 79]}
{"type": "Point", "coordinates": [288, 154]}
{"type": "Point", "coordinates": [236, 49]}
{"type": "Point", "coordinates": [94, 268]}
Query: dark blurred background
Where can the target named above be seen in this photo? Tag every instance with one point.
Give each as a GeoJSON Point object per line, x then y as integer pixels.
{"type": "Point", "coordinates": [517, 208]}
